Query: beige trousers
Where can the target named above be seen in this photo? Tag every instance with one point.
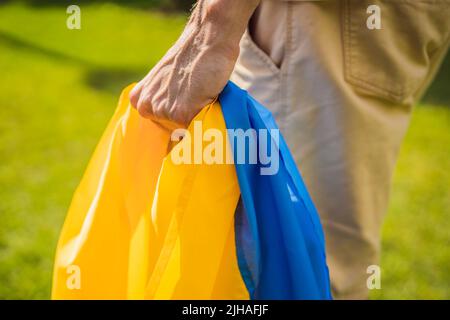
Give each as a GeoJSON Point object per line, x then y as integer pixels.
{"type": "Point", "coordinates": [342, 94]}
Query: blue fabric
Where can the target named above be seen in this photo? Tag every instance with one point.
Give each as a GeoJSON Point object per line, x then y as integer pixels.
{"type": "Point", "coordinates": [279, 238]}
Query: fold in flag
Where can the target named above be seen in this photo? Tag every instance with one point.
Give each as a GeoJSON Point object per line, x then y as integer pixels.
{"type": "Point", "coordinates": [145, 225]}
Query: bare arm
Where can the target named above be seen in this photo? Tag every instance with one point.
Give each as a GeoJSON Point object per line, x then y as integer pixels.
{"type": "Point", "coordinates": [196, 69]}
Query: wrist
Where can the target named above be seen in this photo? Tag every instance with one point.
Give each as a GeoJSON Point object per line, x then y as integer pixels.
{"type": "Point", "coordinates": [227, 19]}
{"type": "Point", "coordinates": [229, 11]}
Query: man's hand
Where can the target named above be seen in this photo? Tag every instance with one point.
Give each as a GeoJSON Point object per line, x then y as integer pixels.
{"type": "Point", "coordinates": [196, 69]}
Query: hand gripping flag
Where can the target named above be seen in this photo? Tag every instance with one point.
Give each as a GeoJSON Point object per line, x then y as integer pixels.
{"type": "Point", "coordinates": [143, 225]}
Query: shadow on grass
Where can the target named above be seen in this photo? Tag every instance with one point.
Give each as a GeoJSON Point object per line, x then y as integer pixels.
{"type": "Point", "coordinates": [111, 80]}
{"type": "Point", "coordinates": [439, 92]}
{"type": "Point", "coordinates": [165, 5]}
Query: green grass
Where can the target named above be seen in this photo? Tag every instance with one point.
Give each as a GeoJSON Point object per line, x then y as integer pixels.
{"type": "Point", "coordinates": [416, 235]}
{"type": "Point", "coordinates": [58, 89]}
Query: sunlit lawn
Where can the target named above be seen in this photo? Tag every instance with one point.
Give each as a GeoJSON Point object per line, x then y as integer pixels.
{"type": "Point", "coordinates": [58, 89]}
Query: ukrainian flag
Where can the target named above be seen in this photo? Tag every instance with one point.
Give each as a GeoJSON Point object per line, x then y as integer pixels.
{"type": "Point", "coordinates": [141, 225]}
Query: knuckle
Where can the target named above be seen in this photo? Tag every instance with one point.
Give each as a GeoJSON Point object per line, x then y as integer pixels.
{"type": "Point", "coordinates": [144, 112]}
{"type": "Point", "coordinates": [134, 97]}
{"type": "Point", "coordinates": [144, 108]}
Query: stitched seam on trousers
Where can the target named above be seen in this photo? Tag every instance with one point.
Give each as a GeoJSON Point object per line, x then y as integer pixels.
{"type": "Point", "coordinates": [401, 92]}
{"type": "Point", "coordinates": [284, 85]}
{"type": "Point", "coordinates": [263, 57]}
{"type": "Point", "coordinates": [434, 67]}
{"type": "Point", "coordinates": [397, 95]}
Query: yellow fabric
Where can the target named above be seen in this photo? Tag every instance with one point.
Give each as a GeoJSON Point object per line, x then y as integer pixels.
{"type": "Point", "coordinates": [142, 227]}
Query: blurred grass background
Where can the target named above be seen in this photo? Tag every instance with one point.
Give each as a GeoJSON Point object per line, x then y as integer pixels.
{"type": "Point", "coordinates": [59, 87]}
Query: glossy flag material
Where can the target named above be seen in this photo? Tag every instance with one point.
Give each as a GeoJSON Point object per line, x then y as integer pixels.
{"type": "Point", "coordinates": [279, 238]}
{"type": "Point", "coordinates": [142, 226]}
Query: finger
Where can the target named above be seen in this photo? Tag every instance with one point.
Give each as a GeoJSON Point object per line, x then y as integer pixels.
{"type": "Point", "coordinates": [143, 104]}
{"type": "Point", "coordinates": [144, 108]}
{"type": "Point", "coordinates": [168, 125]}
{"type": "Point", "coordinates": [135, 94]}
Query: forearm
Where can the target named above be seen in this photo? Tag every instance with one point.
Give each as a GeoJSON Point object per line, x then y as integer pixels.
{"type": "Point", "coordinates": [226, 20]}
{"type": "Point", "coordinates": [198, 66]}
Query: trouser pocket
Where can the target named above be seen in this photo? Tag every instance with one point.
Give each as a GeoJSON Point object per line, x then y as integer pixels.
{"type": "Point", "coordinates": [392, 46]}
